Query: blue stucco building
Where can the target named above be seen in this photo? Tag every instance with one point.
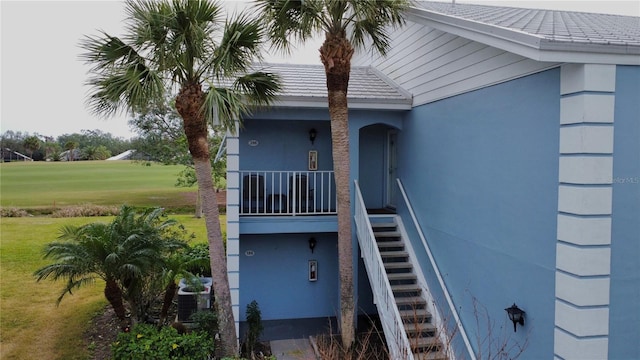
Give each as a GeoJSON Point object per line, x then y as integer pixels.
{"type": "Point", "coordinates": [505, 145]}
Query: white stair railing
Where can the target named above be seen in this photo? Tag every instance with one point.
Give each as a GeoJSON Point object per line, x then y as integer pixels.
{"type": "Point", "coordinates": [441, 282]}
{"type": "Point", "coordinates": [397, 340]}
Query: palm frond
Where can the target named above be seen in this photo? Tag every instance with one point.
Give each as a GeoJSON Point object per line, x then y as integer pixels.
{"type": "Point", "coordinates": [73, 284]}
{"type": "Point", "coordinates": [131, 87]}
{"type": "Point", "coordinates": [239, 46]}
{"type": "Point", "coordinates": [223, 106]}
{"type": "Point", "coordinates": [107, 51]}
{"type": "Point", "coordinates": [290, 22]}
{"type": "Point", "coordinates": [371, 20]}
{"type": "Point", "coordinates": [259, 88]}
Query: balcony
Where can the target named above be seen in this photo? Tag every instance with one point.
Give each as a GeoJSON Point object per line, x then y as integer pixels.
{"type": "Point", "coordinates": [287, 193]}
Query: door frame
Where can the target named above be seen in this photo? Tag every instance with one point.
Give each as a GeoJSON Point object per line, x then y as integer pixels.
{"type": "Point", "coordinates": [391, 172]}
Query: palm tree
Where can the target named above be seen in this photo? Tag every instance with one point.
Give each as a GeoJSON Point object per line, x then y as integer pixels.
{"type": "Point", "coordinates": [169, 45]}
{"type": "Point", "coordinates": [32, 143]}
{"type": "Point", "coordinates": [124, 253]}
{"type": "Point", "coordinates": [344, 24]}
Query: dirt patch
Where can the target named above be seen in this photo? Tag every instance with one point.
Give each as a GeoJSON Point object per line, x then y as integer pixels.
{"type": "Point", "coordinates": [102, 332]}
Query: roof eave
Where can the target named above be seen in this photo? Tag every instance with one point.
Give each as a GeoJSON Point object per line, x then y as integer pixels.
{"type": "Point", "coordinates": [357, 103]}
{"type": "Point", "coordinates": [531, 46]}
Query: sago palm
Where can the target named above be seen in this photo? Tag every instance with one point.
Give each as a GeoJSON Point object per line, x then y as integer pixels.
{"type": "Point", "coordinates": [185, 45]}
{"type": "Point", "coordinates": [123, 253]}
{"type": "Point", "coordinates": [345, 24]}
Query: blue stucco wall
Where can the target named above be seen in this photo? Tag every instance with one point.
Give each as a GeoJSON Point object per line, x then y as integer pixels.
{"type": "Point", "coordinates": [624, 313]}
{"type": "Point", "coordinates": [284, 144]}
{"type": "Point", "coordinates": [481, 170]}
{"type": "Point", "coordinates": [276, 276]}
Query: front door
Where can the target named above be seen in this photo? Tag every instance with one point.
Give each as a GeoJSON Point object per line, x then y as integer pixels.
{"type": "Point", "coordinates": [392, 168]}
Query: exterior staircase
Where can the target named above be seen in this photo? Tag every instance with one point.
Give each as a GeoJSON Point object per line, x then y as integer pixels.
{"type": "Point", "coordinates": [409, 297]}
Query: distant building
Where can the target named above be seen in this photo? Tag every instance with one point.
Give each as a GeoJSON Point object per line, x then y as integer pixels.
{"type": "Point", "coordinates": [131, 154]}
{"type": "Point", "coordinates": [9, 155]}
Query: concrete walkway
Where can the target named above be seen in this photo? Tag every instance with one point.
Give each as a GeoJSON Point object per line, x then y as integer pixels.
{"type": "Point", "coordinates": [292, 349]}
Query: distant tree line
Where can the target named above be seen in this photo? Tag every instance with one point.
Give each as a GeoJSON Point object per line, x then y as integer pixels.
{"type": "Point", "coordinates": [86, 145]}
{"type": "Point", "coordinates": [160, 138]}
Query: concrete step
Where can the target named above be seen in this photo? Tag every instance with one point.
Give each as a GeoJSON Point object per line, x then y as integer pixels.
{"type": "Point", "coordinates": [386, 234]}
{"type": "Point", "coordinates": [398, 265]}
{"type": "Point", "coordinates": [430, 355]}
{"type": "Point", "coordinates": [420, 328]}
{"type": "Point", "coordinates": [390, 244]}
{"type": "Point", "coordinates": [406, 288]}
{"type": "Point", "coordinates": [378, 225]}
{"type": "Point", "coordinates": [401, 276]}
{"type": "Point", "coordinates": [425, 344]}
{"type": "Point", "coordinates": [411, 301]}
{"type": "Point", "coordinates": [394, 254]}
{"type": "Point", "coordinates": [415, 315]}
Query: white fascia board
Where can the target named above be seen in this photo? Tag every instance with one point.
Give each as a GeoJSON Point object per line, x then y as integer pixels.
{"type": "Point", "coordinates": [360, 104]}
{"type": "Point", "coordinates": [530, 46]}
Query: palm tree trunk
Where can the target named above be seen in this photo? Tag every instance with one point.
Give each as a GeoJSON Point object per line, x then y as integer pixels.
{"type": "Point", "coordinates": [114, 295]}
{"type": "Point", "coordinates": [189, 105]}
{"type": "Point", "coordinates": [217, 255]}
{"type": "Point", "coordinates": [169, 294]}
{"type": "Point", "coordinates": [335, 54]}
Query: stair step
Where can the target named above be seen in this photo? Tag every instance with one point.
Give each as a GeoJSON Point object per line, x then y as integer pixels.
{"type": "Point", "coordinates": [391, 244]}
{"type": "Point", "coordinates": [375, 225]}
{"type": "Point", "coordinates": [398, 265]}
{"type": "Point", "coordinates": [386, 234]}
{"type": "Point", "coordinates": [432, 355]}
{"type": "Point", "coordinates": [423, 344]}
{"type": "Point", "coordinates": [415, 315]}
{"type": "Point", "coordinates": [401, 276]}
{"type": "Point", "coordinates": [420, 327]}
{"type": "Point", "coordinates": [406, 288]}
{"type": "Point", "coordinates": [411, 300]}
{"type": "Point", "coordinates": [393, 254]}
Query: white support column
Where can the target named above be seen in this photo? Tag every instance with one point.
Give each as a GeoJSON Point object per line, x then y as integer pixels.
{"type": "Point", "coordinates": [583, 250]}
{"type": "Point", "coordinates": [233, 224]}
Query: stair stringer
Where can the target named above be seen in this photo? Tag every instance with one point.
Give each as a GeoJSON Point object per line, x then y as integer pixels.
{"type": "Point", "coordinates": [437, 319]}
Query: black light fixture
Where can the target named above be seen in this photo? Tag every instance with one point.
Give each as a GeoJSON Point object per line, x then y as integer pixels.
{"type": "Point", "coordinates": [312, 135]}
{"type": "Point", "coordinates": [312, 243]}
{"type": "Point", "coordinates": [516, 315]}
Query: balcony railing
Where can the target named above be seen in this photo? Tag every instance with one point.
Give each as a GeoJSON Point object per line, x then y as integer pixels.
{"type": "Point", "coordinates": [287, 193]}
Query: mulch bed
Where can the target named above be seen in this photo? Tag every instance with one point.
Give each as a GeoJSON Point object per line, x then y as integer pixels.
{"type": "Point", "coordinates": [102, 332]}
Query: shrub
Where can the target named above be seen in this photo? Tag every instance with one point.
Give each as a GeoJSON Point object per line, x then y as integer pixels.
{"type": "Point", "coordinates": [13, 212]}
{"type": "Point", "coordinates": [205, 321]}
{"type": "Point", "coordinates": [254, 321]}
{"type": "Point", "coordinates": [197, 259]}
{"type": "Point", "coordinates": [85, 211]}
{"type": "Point", "coordinates": [145, 342]}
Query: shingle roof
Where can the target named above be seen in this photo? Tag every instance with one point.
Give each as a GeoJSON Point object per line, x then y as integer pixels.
{"type": "Point", "coordinates": [305, 85]}
{"type": "Point", "coordinates": [543, 29]}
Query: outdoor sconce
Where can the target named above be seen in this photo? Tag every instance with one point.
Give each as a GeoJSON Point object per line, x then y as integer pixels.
{"type": "Point", "coordinates": [312, 243]}
{"type": "Point", "coordinates": [516, 315]}
{"type": "Point", "coordinates": [312, 135]}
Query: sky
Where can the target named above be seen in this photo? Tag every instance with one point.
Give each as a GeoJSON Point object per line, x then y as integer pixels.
{"type": "Point", "coordinates": [42, 79]}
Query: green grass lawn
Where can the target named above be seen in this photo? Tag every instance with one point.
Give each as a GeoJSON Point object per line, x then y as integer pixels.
{"type": "Point", "coordinates": [57, 184]}
{"type": "Point", "coordinates": [31, 325]}
{"type": "Point", "coordinates": [29, 317]}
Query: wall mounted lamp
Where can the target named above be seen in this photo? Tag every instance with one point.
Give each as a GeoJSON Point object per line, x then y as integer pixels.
{"type": "Point", "coordinates": [312, 243]}
{"type": "Point", "coordinates": [516, 315]}
{"type": "Point", "coordinates": [312, 135]}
